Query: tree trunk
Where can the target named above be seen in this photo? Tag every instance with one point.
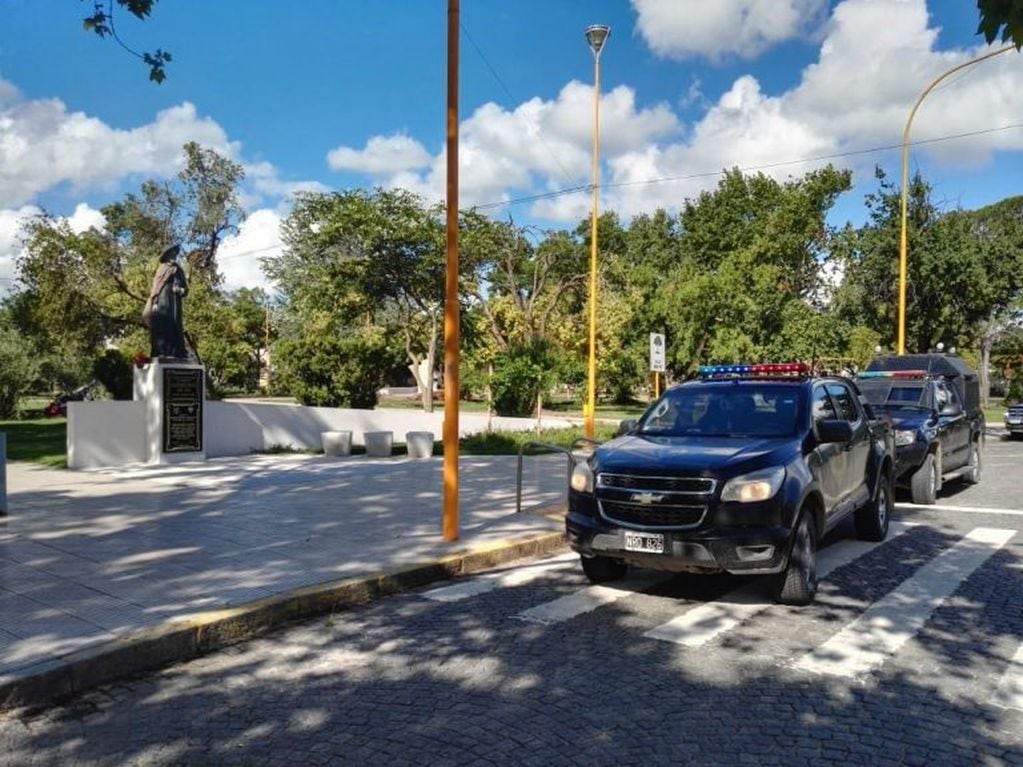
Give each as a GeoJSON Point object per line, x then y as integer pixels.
{"type": "Point", "coordinates": [431, 364]}
{"type": "Point", "coordinates": [539, 410]}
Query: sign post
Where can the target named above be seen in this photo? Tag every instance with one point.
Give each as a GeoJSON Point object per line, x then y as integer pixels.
{"type": "Point", "coordinates": [657, 360]}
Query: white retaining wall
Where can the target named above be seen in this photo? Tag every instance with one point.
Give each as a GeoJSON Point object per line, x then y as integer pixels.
{"type": "Point", "coordinates": [107, 433]}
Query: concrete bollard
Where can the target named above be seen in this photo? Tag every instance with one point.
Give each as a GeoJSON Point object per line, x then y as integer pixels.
{"type": "Point", "coordinates": [337, 442]}
{"type": "Point", "coordinates": [378, 443]}
{"type": "Point", "coordinates": [419, 444]}
{"type": "Point", "coordinates": [3, 474]}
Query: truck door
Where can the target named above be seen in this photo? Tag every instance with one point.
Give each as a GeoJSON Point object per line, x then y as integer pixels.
{"type": "Point", "coordinates": [854, 487]}
{"type": "Point", "coordinates": [833, 457]}
{"type": "Point", "coordinates": [953, 430]}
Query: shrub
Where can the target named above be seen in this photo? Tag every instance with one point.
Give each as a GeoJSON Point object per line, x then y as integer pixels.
{"type": "Point", "coordinates": [522, 374]}
{"type": "Point", "coordinates": [113, 369]}
{"type": "Point", "coordinates": [333, 371]}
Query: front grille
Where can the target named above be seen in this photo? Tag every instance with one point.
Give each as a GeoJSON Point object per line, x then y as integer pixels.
{"type": "Point", "coordinates": [694, 485]}
{"type": "Point", "coordinates": [1016, 411]}
{"type": "Point", "coordinates": [643, 515]}
{"type": "Point", "coordinates": [654, 501]}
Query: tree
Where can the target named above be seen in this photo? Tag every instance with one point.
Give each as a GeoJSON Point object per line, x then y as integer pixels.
{"type": "Point", "coordinates": [370, 258]}
{"type": "Point", "coordinates": [83, 290]}
{"type": "Point", "coordinates": [101, 21]}
{"type": "Point", "coordinates": [18, 366]}
{"type": "Point", "coordinates": [1004, 16]}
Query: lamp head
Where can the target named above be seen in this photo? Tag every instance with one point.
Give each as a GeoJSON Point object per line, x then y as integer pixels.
{"type": "Point", "coordinates": [596, 36]}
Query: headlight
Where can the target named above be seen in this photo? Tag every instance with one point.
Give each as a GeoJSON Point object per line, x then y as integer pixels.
{"type": "Point", "coordinates": [756, 486]}
{"type": "Point", "coordinates": [582, 478]}
{"type": "Point", "coordinates": [904, 437]}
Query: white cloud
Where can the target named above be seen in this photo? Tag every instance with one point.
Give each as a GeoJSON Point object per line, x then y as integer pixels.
{"type": "Point", "coordinates": [875, 59]}
{"type": "Point", "coordinates": [382, 155]}
{"type": "Point", "coordinates": [43, 145]}
{"type": "Point", "coordinates": [239, 256]}
{"type": "Point", "coordinates": [12, 222]}
{"type": "Point", "coordinates": [539, 141]}
{"type": "Point", "coordinates": [680, 29]}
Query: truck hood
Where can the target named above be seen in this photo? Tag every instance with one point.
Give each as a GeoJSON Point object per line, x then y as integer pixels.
{"type": "Point", "coordinates": [695, 454]}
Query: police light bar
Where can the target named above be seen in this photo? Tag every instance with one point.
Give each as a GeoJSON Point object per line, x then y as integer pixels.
{"type": "Point", "coordinates": [769, 369]}
{"type": "Point", "coordinates": [903, 374]}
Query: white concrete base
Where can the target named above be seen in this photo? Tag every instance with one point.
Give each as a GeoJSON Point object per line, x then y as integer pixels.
{"type": "Point", "coordinates": [149, 390]}
{"type": "Point", "coordinates": [378, 443]}
{"type": "Point", "coordinates": [337, 442]}
{"type": "Point", "coordinates": [419, 444]}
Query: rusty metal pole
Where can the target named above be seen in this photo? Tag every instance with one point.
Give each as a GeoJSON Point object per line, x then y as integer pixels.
{"type": "Point", "coordinates": [451, 319]}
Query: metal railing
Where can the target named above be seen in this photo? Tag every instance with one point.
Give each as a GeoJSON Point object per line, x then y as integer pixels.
{"type": "Point", "coordinates": [546, 448]}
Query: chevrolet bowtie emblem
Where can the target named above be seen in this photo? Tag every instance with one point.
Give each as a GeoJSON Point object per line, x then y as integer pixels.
{"type": "Point", "coordinates": [646, 498]}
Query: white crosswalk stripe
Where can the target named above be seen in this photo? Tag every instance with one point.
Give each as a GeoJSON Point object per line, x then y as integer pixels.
{"type": "Point", "coordinates": [588, 599]}
{"type": "Point", "coordinates": [1009, 693]}
{"type": "Point", "coordinates": [517, 576]}
{"type": "Point", "coordinates": [702, 624]}
{"type": "Point", "coordinates": [888, 624]}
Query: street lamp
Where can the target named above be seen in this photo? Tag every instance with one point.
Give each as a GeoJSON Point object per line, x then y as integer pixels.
{"type": "Point", "coordinates": [596, 36]}
{"type": "Point", "coordinates": [905, 187]}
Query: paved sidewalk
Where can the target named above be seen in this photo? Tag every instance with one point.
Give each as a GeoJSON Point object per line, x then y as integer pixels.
{"type": "Point", "coordinates": [98, 560]}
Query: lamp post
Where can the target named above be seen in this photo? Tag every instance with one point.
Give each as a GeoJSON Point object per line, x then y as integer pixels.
{"type": "Point", "coordinates": [905, 186]}
{"type": "Point", "coordinates": [596, 36]}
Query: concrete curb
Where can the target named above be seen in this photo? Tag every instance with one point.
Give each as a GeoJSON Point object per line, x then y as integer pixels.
{"type": "Point", "coordinates": [146, 650]}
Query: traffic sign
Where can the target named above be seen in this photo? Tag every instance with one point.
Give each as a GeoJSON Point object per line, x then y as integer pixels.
{"type": "Point", "coordinates": [657, 352]}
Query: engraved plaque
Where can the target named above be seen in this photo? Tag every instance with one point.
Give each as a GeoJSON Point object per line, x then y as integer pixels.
{"type": "Point", "coordinates": [182, 410]}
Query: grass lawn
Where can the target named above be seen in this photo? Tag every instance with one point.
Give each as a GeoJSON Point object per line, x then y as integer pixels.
{"type": "Point", "coordinates": [41, 440]}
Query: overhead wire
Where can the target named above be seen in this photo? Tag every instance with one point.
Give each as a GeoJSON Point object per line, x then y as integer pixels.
{"type": "Point", "coordinates": [539, 133]}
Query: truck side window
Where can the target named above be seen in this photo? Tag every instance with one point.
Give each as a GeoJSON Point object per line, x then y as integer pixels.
{"type": "Point", "coordinates": [844, 400]}
{"type": "Point", "coordinates": [823, 409]}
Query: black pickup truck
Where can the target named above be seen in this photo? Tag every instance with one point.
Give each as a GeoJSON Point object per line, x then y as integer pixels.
{"type": "Point", "coordinates": [743, 470]}
{"type": "Point", "coordinates": [933, 402]}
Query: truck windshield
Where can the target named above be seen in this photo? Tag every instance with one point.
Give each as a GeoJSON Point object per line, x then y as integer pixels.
{"type": "Point", "coordinates": [893, 394]}
{"type": "Point", "coordinates": [725, 409]}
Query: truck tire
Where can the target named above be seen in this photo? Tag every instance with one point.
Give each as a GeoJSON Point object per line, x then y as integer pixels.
{"type": "Point", "coordinates": [603, 569]}
{"type": "Point", "coordinates": [924, 483]}
{"type": "Point", "coordinates": [797, 583]}
{"type": "Point", "coordinates": [872, 518]}
{"type": "Point", "coordinates": [972, 475]}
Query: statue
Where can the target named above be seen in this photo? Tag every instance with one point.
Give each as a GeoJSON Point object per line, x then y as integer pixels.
{"type": "Point", "coordinates": [162, 312]}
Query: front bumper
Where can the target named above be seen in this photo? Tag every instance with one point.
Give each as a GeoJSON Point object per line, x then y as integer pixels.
{"type": "Point", "coordinates": [908, 459]}
{"type": "Point", "coordinates": [751, 549]}
{"type": "Point", "coordinates": [1014, 428]}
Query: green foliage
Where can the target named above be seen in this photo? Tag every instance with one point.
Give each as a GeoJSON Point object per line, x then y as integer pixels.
{"type": "Point", "coordinates": [521, 375]}
{"type": "Point", "coordinates": [113, 369]}
{"type": "Point", "coordinates": [510, 442]}
{"type": "Point", "coordinates": [18, 368]}
{"type": "Point", "coordinates": [334, 371]}
{"type": "Point", "coordinates": [101, 21]}
{"type": "Point", "coordinates": [1004, 16]}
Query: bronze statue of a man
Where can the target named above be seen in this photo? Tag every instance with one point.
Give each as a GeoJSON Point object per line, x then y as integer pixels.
{"type": "Point", "coordinates": [162, 312]}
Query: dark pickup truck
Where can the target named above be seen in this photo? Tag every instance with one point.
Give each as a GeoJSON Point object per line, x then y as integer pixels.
{"type": "Point", "coordinates": [933, 402]}
{"type": "Point", "coordinates": [743, 470]}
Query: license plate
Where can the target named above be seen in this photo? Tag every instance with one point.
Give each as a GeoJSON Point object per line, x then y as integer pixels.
{"type": "Point", "coordinates": [650, 543]}
{"type": "Point", "coordinates": [1015, 421]}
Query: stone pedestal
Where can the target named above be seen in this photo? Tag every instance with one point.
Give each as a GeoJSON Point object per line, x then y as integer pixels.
{"type": "Point", "coordinates": [336, 442]}
{"type": "Point", "coordinates": [174, 397]}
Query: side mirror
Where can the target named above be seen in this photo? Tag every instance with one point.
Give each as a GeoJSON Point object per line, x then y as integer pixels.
{"type": "Point", "coordinates": [834, 431]}
{"type": "Point", "coordinates": [626, 427]}
{"type": "Point", "coordinates": [951, 410]}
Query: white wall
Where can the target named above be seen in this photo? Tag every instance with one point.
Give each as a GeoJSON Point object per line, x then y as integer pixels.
{"type": "Point", "coordinates": [105, 433]}
{"type": "Point", "coordinates": [234, 428]}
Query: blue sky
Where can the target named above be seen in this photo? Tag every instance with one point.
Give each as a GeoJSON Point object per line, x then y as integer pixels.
{"type": "Point", "coordinates": [331, 94]}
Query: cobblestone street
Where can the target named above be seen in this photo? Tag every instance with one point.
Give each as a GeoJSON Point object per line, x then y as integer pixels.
{"type": "Point", "coordinates": [528, 664]}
